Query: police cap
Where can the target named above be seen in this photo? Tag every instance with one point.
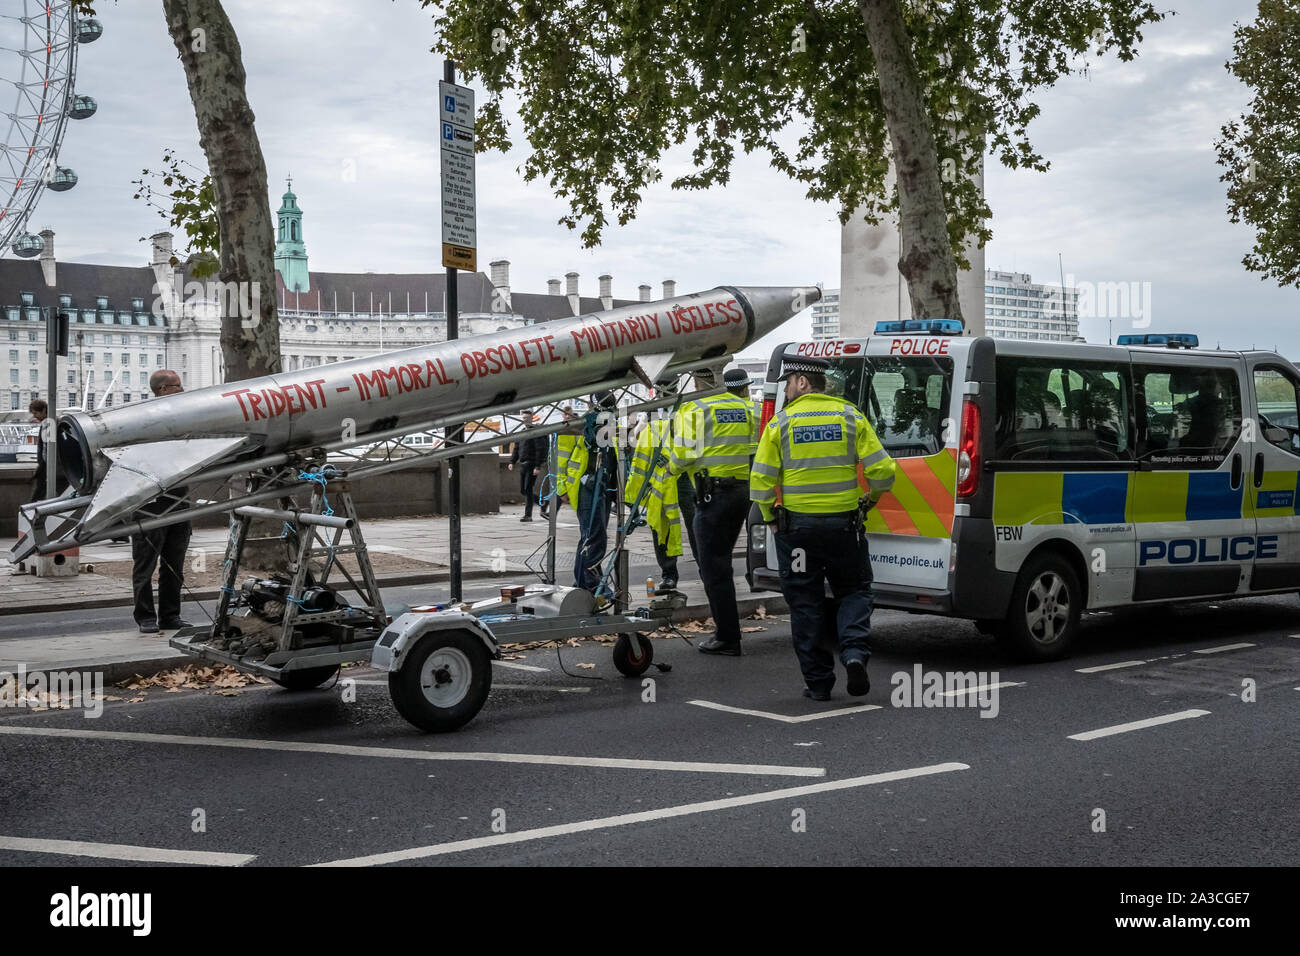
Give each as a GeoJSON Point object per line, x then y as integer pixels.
{"type": "Point", "coordinates": [800, 364]}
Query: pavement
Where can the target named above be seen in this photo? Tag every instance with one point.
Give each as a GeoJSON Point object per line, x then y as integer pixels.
{"type": "Point", "coordinates": [93, 629]}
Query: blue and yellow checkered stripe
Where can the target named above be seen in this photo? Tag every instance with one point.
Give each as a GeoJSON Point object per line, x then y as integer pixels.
{"type": "Point", "coordinates": [1146, 496]}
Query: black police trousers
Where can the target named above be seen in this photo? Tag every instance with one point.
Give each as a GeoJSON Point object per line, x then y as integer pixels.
{"type": "Point", "coordinates": [818, 550]}
{"type": "Point", "coordinates": [718, 524]}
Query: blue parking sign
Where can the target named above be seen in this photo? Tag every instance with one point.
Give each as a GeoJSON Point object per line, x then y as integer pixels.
{"type": "Point", "coordinates": [447, 131]}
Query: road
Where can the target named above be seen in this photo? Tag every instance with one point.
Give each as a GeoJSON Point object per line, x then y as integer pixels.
{"type": "Point", "coordinates": [718, 761]}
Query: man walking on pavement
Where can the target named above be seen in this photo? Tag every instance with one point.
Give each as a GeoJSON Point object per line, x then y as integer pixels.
{"type": "Point", "coordinates": [713, 442]}
{"type": "Point", "coordinates": [166, 545]}
{"type": "Point", "coordinates": [530, 455]}
{"type": "Point", "coordinates": [805, 482]}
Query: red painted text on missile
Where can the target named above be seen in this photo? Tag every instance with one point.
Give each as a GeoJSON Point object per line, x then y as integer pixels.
{"type": "Point", "coordinates": [400, 379]}
{"type": "Point", "coordinates": [512, 355]}
{"type": "Point", "coordinates": [643, 328]}
{"type": "Point", "coordinates": [272, 402]}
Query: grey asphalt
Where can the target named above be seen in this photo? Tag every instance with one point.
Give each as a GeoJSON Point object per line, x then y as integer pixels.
{"type": "Point", "coordinates": [1212, 790]}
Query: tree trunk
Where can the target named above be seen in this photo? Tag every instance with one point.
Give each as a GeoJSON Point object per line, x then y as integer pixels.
{"type": "Point", "coordinates": [214, 71]}
{"type": "Point", "coordinates": [925, 255]}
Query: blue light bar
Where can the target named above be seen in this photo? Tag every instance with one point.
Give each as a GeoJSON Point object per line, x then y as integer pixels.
{"type": "Point", "coordinates": [922, 326]}
{"type": "Point", "coordinates": [1180, 340]}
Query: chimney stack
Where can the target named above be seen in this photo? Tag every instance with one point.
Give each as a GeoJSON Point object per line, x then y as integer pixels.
{"type": "Point", "coordinates": [552, 286]}
{"type": "Point", "coordinates": [47, 256]}
{"type": "Point", "coordinates": [571, 289]}
{"type": "Point", "coordinates": [501, 274]}
{"type": "Point", "coordinates": [644, 289]}
{"type": "Point", "coordinates": [162, 250]}
{"type": "Point", "coordinates": [501, 286]}
{"type": "Point", "coordinates": [607, 292]}
{"type": "Point", "coordinates": [670, 288]}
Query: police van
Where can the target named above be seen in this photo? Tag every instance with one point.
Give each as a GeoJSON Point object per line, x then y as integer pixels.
{"type": "Point", "coordinates": [1037, 480]}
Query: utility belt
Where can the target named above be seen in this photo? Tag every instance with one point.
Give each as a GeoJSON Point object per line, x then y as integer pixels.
{"type": "Point", "coordinates": [706, 485]}
{"type": "Point", "coordinates": [854, 520]}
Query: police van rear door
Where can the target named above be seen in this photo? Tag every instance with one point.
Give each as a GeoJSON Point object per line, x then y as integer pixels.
{"type": "Point", "coordinates": [1273, 469]}
{"type": "Point", "coordinates": [1195, 525]}
{"type": "Point", "coordinates": [903, 384]}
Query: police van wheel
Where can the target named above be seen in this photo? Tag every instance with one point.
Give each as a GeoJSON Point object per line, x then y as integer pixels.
{"type": "Point", "coordinates": [633, 654]}
{"type": "Point", "coordinates": [307, 678]}
{"type": "Point", "coordinates": [1045, 609]}
{"type": "Point", "coordinates": [444, 681]}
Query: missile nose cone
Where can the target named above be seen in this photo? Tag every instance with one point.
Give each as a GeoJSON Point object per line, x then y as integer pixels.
{"type": "Point", "coordinates": [773, 305]}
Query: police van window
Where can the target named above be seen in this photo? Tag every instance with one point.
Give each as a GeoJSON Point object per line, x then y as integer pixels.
{"type": "Point", "coordinates": [1062, 410]}
{"type": "Point", "coordinates": [1279, 410]}
{"type": "Point", "coordinates": [1191, 416]}
{"type": "Point", "coordinates": [904, 397]}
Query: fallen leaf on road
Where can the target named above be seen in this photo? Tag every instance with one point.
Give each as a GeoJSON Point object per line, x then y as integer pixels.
{"type": "Point", "coordinates": [760, 612]}
{"type": "Point", "coordinates": [748, 630]}
{"type": "Point", "coordinates": [587, 666]}
{"type": "Point", "coordinates": [135, 700]}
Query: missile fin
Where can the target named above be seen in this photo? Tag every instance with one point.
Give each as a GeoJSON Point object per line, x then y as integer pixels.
{"type": "Point", "coordinates": [648, 368]}
{"type": "Point", "coordinates": [140, 473]}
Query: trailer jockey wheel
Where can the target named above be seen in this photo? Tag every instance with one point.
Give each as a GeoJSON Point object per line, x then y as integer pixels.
{"type": "Point", "coordinates": [443, 682]}
{"type": "Point", "coordinates": [306, 678]}
{"type": "Point", "coordinates": [633, 654]}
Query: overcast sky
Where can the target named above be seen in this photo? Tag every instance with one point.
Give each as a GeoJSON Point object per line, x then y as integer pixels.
{"type": "Point", "coordinates": [345, 97]}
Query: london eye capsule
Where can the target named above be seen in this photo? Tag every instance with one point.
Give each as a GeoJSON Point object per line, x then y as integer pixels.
{"type": "Point", "coordinates": [89, 30]}
{"type": "Point", "coordinates": [83, 107]}
{"type": "Point", "coordinates": [28, 245]}
{"type": "Point", "coordinates": [63, 180]}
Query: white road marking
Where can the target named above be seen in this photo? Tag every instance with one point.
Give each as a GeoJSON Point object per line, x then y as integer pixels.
{"type": "Point", "coordinates": [782, 717]}
{"type": "Point", "coordinates": [1108, 667]}
{"type": "Point", "coordinates": [1139, 725]}
{"type": "Point", "coordinates": [975, 690]}
{"type": "Point", "coordinates": [521, 667]}
{"type": "Point", "coordinates": [543, 687]}
{"type": "Point", "coordinates": [122, 851]}
{"type": "Point", "coordinates": [496, 686]}
{"type": "Point", "coordinates": [1225, 647]}
{"type": "Point", "coordinates": [293, 746]}
{"type": "Point", "coordinates": [625, 819]}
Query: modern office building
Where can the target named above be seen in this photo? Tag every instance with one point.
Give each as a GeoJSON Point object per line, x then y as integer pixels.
{"type": "Point", "coordinates": [826, 316]}
{"type": "Point", "coordinates": [1015, 307]}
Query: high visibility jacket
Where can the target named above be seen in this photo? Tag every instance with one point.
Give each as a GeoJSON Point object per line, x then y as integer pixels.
{"type": "Point", "coordinates": [579, 460]}
{"type": "Point", "coordinates": [564, 445]}
{"type": "Point", "coordinates": [810, 454]}
{"type": "Point", "coordinates": [717, 435]}
{"type": "Point", "coordinates": [662, 510]}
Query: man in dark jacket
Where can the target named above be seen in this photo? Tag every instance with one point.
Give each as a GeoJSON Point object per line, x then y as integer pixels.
{"type": "Point", "coordinates": [166, 545]}
{"type": "Point", "coordinates": [530, 455]}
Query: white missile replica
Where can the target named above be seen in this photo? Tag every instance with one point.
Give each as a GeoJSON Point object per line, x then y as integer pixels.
{"type": "Point", "coordinates": [264, 431]}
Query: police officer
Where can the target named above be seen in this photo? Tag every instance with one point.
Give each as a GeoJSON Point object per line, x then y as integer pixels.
{"type": "Point", "coordinates": [659, 506]}
{"type": "Point", "coordinates": [591, 477]}
{"type": "Point", "coordinates": [805, 481]}
{"type": "Point", "coordinates": [713, 443]}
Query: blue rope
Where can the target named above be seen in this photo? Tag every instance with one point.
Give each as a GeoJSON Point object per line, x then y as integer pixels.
{"type": "Point", "coordinates": [317, 477]}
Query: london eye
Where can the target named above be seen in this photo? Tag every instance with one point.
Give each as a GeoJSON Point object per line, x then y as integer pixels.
{"type": "Point", "coordinates": [38, 68]}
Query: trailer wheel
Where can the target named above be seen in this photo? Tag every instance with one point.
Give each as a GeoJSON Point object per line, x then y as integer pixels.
{"type": "Point", "coordinates": [633, 660]}
{"type": "Point", "coordinates": [443, 682]}
{"type": "Point", "coordinates": [1045, 607]}
{"type": "Point", "coordinates": [305, 679]}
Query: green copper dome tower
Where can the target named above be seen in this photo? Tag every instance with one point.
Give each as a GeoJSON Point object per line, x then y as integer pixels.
{"type": "Point", "coordinates": [290, 250]}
